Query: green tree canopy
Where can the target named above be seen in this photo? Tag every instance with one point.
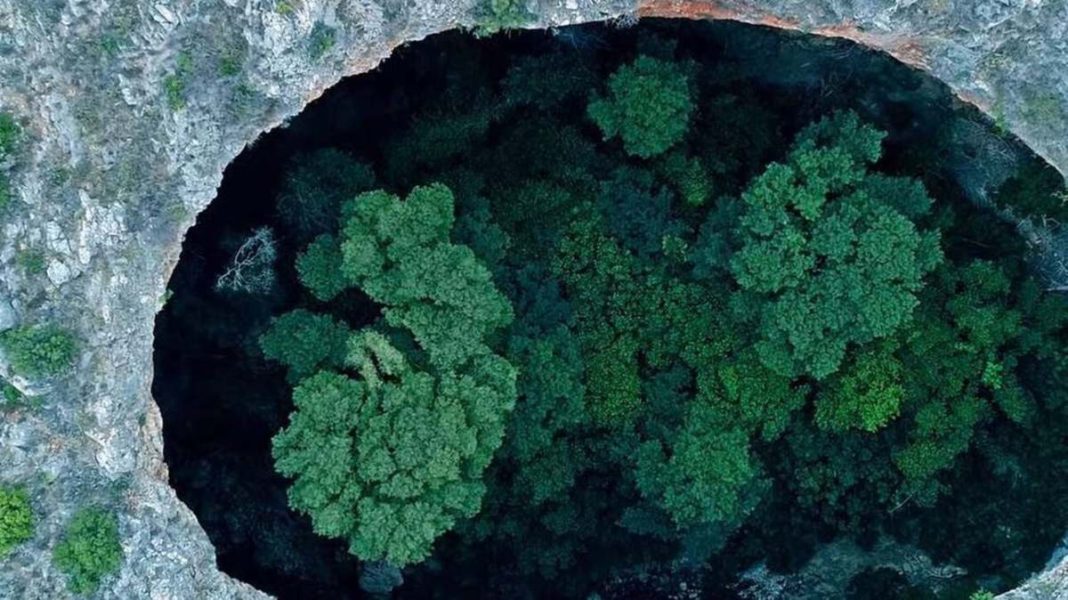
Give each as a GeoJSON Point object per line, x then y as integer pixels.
{"type": "Point", "coordinates": [593, 350]}
{"type": "Point", "coordinates": [826, 259]}
{"type": "Point", "coordinates": [400, 254]}
{"type": "Point", "coordinates": [704, 475]}
{"type": "Point", "coordinates": [385, 449]}
{"type": "Point", "coordinates": [389, 464]}
{"type": "Point", "coordinates": [305, 342]}
{"type": "Point", "coordinates": [319, 268]}
{"type": "Point", "coordinates": [649, 105]}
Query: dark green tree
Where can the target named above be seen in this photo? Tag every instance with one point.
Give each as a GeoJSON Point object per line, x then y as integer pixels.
{"type": "Point", "coordinates": [826, 261]}
{"type": "Point", "coordinates": [705, 475]}
{"type": "Point", "coordinates": [319, 268]}
{"type": "Point", "coordinates": [305, 342]}
{"type": "Point", "coordinates": [315, 187]}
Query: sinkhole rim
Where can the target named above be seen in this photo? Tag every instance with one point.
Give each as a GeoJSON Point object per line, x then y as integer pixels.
{"type": "Point", "coordinates": [174, 266]}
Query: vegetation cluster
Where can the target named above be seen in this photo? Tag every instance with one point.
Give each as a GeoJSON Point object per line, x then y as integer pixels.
{"type": "Point", "coordinates": [89, 550]}
{"type": "Point", "coordinates": [39, 350]}
{"type": "Point", "coordinates": [10, 134]}
{"type": "Point", "coordinates": [593, 313]}
{"type": "Point", "coordinates": [16, 519]}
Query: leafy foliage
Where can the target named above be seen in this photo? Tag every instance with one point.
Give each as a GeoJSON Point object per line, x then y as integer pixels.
{"type": "Point", "coordinates": [701, 477]}
{"type": "Point", "coordinates": [10, 133]}
{"type": "Point", "coordinates": [824, 260]}
{"type": "Point", "coordinates": [439, 138]}
{"type": "Point", "coordinates": [89, 550]}
{"type": "Point", "coordinates": [867, 395]}
{"type": "Point", "coordinates": [318, 267]}
{"type": "Point", "coordinates": [649, 106]}
{"type": "Point", "coordinates": [392, 460]}
{"type": "Point", "coordinates": [305, 342]}
{"type": "Point", "coordinates": [16, 518]}
{"type": "Point", "coordinates": [1038, 191]}
{"type": "Point", "coordinates": [175, 84]}
{"type": "Point", "coordinates": [5, 191]}
{"type": "Point", "coordinates": [400, 255]}
{"type": "Point", "coordinates": [415, 467]}
{"type": "Point", "coordinates": [688, 176]}
{"type": "Point", "coordinates": [546, 82]}
{"type": "Point", "coordinates": [10, 137]}
{"type": "Point", "coordinates": [502, 14]}
{"type": "Point", "coordinates": [321, 39]}
{"type": "Point", "coordinates": [39, 350]}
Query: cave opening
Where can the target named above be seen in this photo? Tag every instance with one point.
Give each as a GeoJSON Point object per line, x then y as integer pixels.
{"type": "Point", "coordinates": [223, 401]}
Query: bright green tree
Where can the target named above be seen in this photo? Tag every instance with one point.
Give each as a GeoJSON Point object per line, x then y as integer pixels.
{"type": "Point", "coordinates": [400, 254]}
{"type": "Point", "coordinates": [389, 465]}
{"type": "Point", "coordinates": [392, 460]}
{"type": "Point", "coordinates": [649, 105]}
{"type": "Point", "coordinates": [867, 394]}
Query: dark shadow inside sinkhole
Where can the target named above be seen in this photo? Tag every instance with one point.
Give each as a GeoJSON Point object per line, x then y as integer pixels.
{"type": "Point", "coordinates": [222, 402]}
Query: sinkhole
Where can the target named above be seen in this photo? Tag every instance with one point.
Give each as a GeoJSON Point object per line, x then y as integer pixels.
{"type": "Point", "coordinates": [682, 307]}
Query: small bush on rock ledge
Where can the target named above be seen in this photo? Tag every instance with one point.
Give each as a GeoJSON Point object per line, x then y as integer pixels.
{"type": "Point", "coordinates": [9, 135]}
{"type": "Point", "coordinates": [16, 519]}
{"type": "Point", "coordinates": [39, 350]}
{"type": "Point", "coordinates": [10, 132]}
{"type": "Point", "coordinates": [90, 550]}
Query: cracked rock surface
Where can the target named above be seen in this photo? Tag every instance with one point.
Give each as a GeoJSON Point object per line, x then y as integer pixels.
{"type": "Point", "coordinates": [131, 110]}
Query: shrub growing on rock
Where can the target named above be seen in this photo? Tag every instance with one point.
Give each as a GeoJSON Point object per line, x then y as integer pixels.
{"type": "Point", "coordinates": [89, 550]}
{"type": "Point", "coordinates": [39, 350]}
{"type": "Point", "coordinates": [10, 132]}
{"type": "Point", "coordinates": [16, 518]}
